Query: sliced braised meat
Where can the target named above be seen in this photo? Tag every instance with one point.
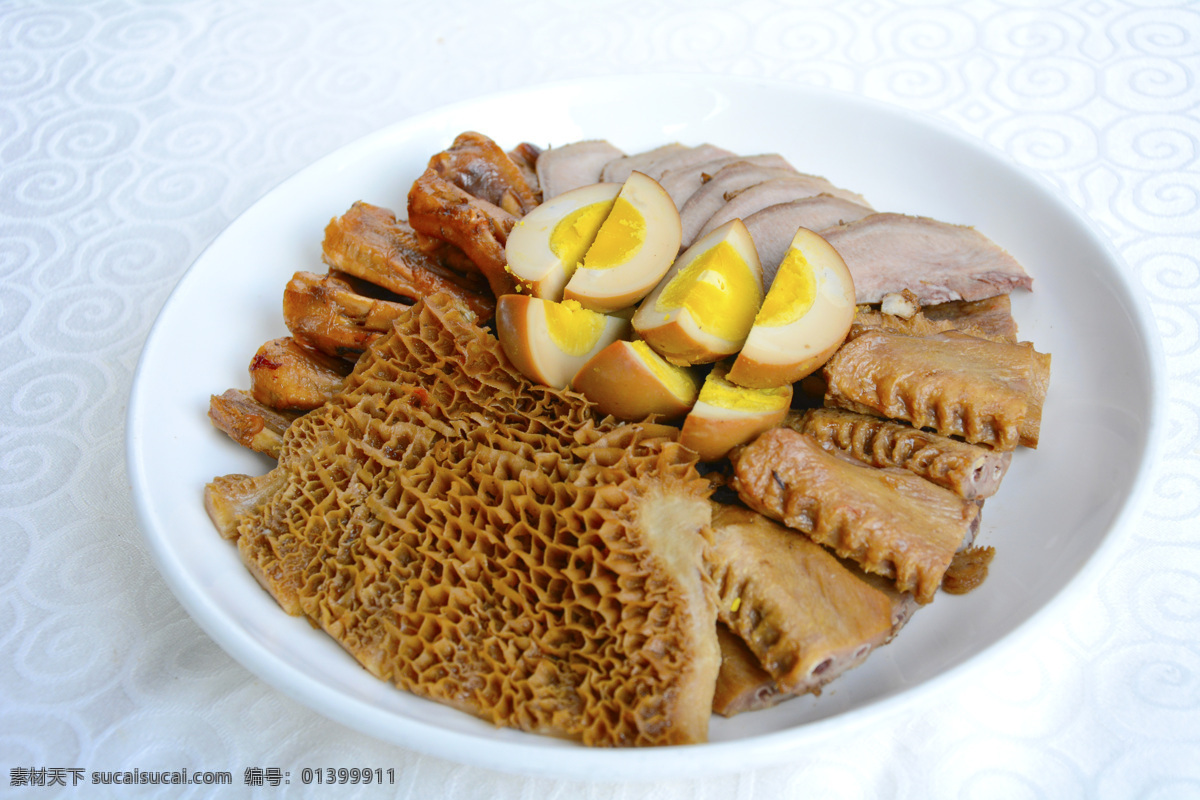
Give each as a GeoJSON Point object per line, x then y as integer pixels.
{"type": "Point", "coordinates": [771, 192]}
{"type": "Point", "coordinates": [983, 391]}
{"type": "Point", "coordinates": [937, 261]}
{"type": "Point", "coordinates": [888, 521]}
{"type": "Point", "coordinates": [970, 471]}
{"type": "Point", "coordinates": [804, 615]}
{"type": "Point", "coordinates": [561, 169]}
{"type": "Point", "coordinates": [717, 190]}
{"type": "Point", "coordinates": [620, 169]}
{"type": "Point", "coordinates": [774, 226]}
{"type": "Point", "coordinates": [681, 182]}
{"type": "Point", "coordinates": [368, 242]}
{"type": "Point", "coordinates": [685, 158]}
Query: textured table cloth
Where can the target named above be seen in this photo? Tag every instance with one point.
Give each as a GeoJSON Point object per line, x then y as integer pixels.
{"type": "Point", "coordinates": [131, 134]}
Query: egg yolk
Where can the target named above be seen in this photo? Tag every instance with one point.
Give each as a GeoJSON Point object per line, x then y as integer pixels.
{"type": "Point", "coordinates": [621, 235]}
{"type": "Point", "coordinates": [678, 380]}
{"type": "Point", "coordinates": [573, 234]}
{"type": "Point", "coordinates": [573, 328]}
{"type": "Point", "coordinates": [718, 289]}
{"type": "Point", "coordinates": [717, 391]}
{"type": "Point", "coordinates": [792, 293]}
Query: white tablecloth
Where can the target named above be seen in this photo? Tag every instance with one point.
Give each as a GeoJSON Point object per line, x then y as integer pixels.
{"type": "Point", "coordinates": [131, 133]}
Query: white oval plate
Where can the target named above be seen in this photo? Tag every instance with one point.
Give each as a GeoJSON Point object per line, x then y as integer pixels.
{"type": "Point", "coordinates": [1056, 514]}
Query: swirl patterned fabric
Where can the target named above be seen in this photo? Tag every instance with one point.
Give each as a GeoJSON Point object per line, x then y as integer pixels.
{"type": "Point", "coordinates": [132, 133]}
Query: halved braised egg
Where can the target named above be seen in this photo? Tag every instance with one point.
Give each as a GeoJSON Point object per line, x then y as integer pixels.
{"type": "Point", "coordinates": [704, 306]}
{"type": "Point", "coordinates": [632, 250]}
{"type": "Point", "coordinates": [804, 318]}
{"type": "Point", "coordinates": [631, 381]}
{"type": "Point", "coordinates": [548, 341]}
{"type": "Point", "coordinates": [546, 245]}
{"type": "Point", "coordinates": [726, 415]}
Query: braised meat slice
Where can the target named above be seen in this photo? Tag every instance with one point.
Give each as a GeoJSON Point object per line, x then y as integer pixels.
{"type": "Point", "coordinates": [772, 192]}
{"type": "Point", "coordinates": [368, 242]}
{"type": "Point", "coordinates": [617, 170]}
{"type": "Point", "coordinates": [805, 616]}
{"type": "Point", "coordinates": [983, 391]}
{"type": "Point", "coordinates": [716, 191]}
{"type": "Point", "coordinates": [681, 182]}
{"type": "Point", "coordinates": [888, 521]}
{"type": "Point", "coordinates": [938, 261]}
{"type": "Point", "coordinates": [773, 227]}
{"type": "Point", "coordinates": [570, 166]}
{"type": "Point", "coordinates": [968, 470]}
{"type": "Point", "coordinates": [992, 316]}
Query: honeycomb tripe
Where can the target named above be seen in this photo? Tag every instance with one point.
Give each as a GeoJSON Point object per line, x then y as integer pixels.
{"type": "Point", "coordinates": [484, 542]}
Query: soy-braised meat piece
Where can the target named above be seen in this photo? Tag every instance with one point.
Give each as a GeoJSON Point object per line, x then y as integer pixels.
{"type": "Point", "coordinates": [937, 260]}
{"type": "Point", "coordinates": [805, 616]}
{"type": "Point", "coordinates": [742, 683]}
{"type": "Point", "coordinates": [985, 392]}
{"type": "Point", "coordinates": [570, 166]}
{"type": "Point", "coordinates": [368, 242]}
{"type": "Point", "coordinates": [681, 182]}
{"type": "Point", "coordinates": [325, 313]}
{"type": "Point", "coordinates": [888, 521]}
{"type": "Point", "coordinates": [773, 227]}
{"type": "Point", "coordinates": [771, 192]}
{"type": "Point", "coordinates": [716, 191]}
{"type": "Point", "coordinates": [968, 470]}
{"type": "Point", "coordinates": [288, 376]}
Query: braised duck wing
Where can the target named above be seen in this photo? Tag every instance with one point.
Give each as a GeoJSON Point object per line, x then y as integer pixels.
{"type": "Point", "coordinates": [805, 616]}
{"type": "Point", "coordinates": [570, 166]}
{"type": "Point", "coordinates": [681, 182]}
{"type": "Point", "coordinates": [248, 422]}
{"type": "Point", "coordinates": [970, 471]}
{"type": "Point", "coordinates": [716, 191]}
{"type": "Point", "coordinates": [443, 210]}
{"type": "Point", "coordinates": [325, 313]}
{"type": "Point", "coordinates": [771, 192]}
{"type": "Point", "coordinates": [288, 376]}
{"type": "Point", "coordinates": [478, 166]}
{"type": "Point", "coordinates": [773, 227]}
{"type": "Point", "coordinates": [938, 261]}
{"type": "Point", "coordinates": [368, 242]}
{"type": "Point", "coordinates": [888, 521]}
{"type": "Point", "coordinates": [983, 391]}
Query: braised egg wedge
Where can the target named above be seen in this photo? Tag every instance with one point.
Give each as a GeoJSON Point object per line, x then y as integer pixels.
{"type": "Point", "coordinates": [547, 341]}
{"type": "Point", "coordinates": [805, 317]}
{"type": "Point", "coordinates": [630, 381]}
{"type": "Point", "coordinates": [632, 250]}
{"type": "Point", "coordinates": [726, 415]}
{"type": "Point", "coordinates": [546, 245]}
{"type": "Point", "coordinates": [704, 306]}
